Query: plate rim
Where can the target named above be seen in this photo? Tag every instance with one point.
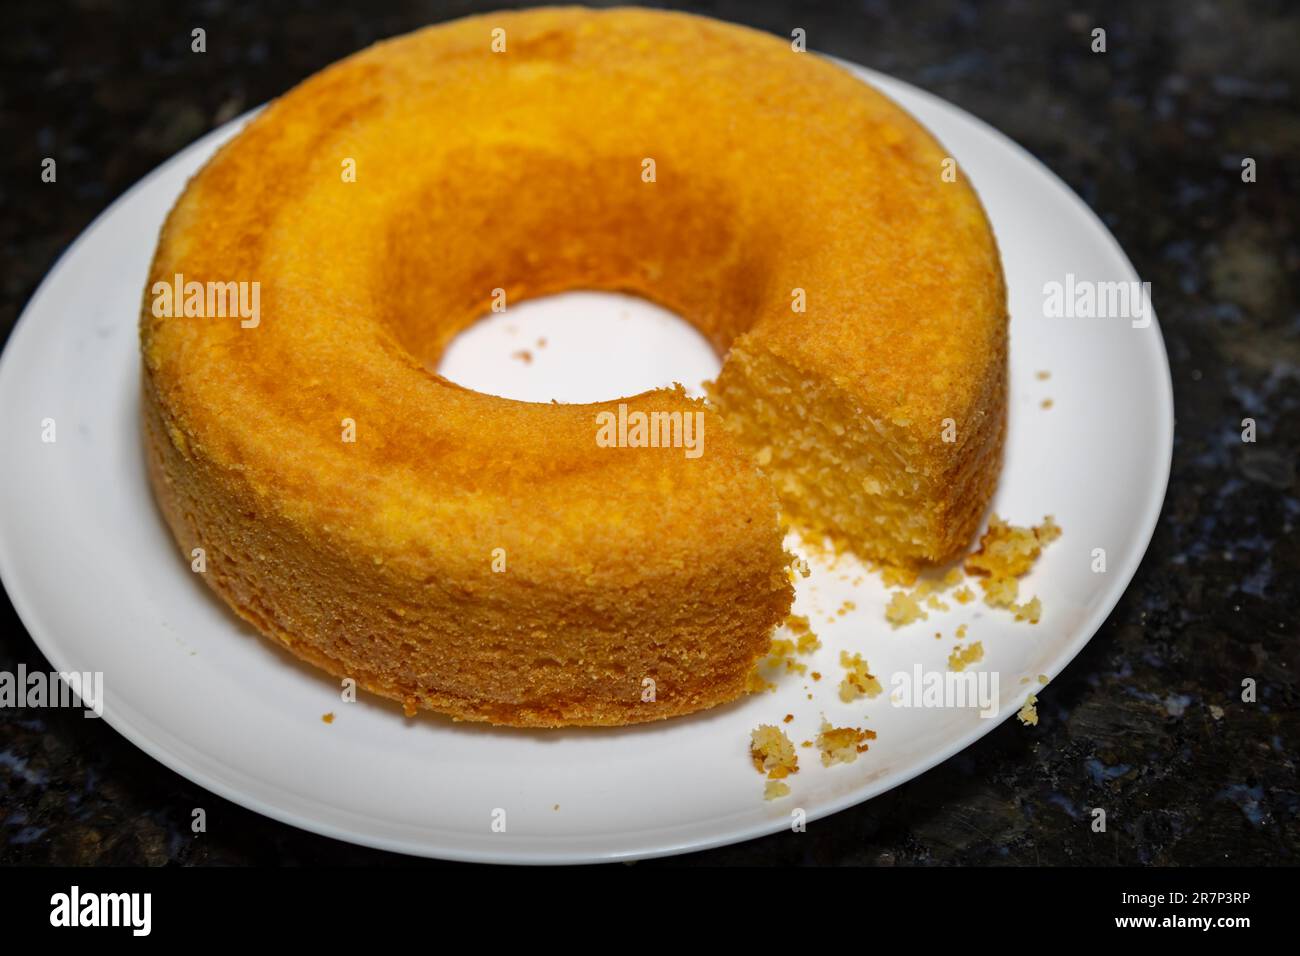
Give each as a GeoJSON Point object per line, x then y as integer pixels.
{"type": "Point", "coordinates": [177, 762]}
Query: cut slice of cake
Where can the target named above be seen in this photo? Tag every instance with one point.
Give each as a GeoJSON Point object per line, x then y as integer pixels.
{"type": "Point", "coordinates": [899, 479]}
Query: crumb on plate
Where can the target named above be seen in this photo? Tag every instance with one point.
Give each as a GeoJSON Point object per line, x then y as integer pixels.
{"type": "Point", "coordinates": [962, 655]}
{"type": "Point", "coordinates": [772, 752]}
{"type": "Point", "coordinates": [842, 744]}
{"type": "Point", "coordinates": [858, 679]}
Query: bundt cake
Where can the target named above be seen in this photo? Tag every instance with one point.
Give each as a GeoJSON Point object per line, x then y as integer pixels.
{"type": "Point", "coordinates": [538, 564]}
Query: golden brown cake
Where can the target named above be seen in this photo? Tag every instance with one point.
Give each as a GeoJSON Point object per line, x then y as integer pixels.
{"type": "Point", "coordinates": [492, 559]}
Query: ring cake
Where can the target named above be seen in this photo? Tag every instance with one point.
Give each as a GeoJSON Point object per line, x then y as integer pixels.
{"type": "Point", "coordinates": [499, 560]}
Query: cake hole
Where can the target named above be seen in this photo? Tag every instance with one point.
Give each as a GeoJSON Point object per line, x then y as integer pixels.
{"type": "Point", "coordinates": [579, 347]}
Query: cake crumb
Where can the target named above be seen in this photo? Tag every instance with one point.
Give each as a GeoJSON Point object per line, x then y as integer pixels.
{"type": "Point", "coordinates": [805, 640]}
{"type": "Point", "coordinates": [961, 631]}
{"type": "Point", "coordinates": [1045, 403]}
{"type": "Point", "coordinates": [1028, 714]}
{"type": "Point", "coordinates": [904, 609]}
{"type": "Point", "coordinates": [934, 604]}
{"type": "Point", "coordinates": [842, 744]}
{"type": "Point", "coordinates": [963, 655]}
{"type": "Point", "coordinates": [1007, 553]}
{"type": "Point", "coordinates": [900, 577]}
{"type": "Point", "coordinates": [328, 718]}
{"type": "Point", "coordinates": [1216, 711]}
{"type": "Point", "coordinates": [1030, 611]}
{"type": "Point", "coordinates": [781, 654]}
{"type": "Point", "coordinates": [1044, 375]}
{"type": "Point", "coordinates": [858, 680]}
{"type": "Point", "coordinates": [775, 790]}
{"type": "Point", "coordinates": [1000, 592]}
{"type": "Point", "coordinates": [788, 718]}
{"type": "Point", "coordinates": [524, 356]}
{"type": "Point", "coordinates": [772, 752]}
{"type": "Point", "coordinates": [964, 595]}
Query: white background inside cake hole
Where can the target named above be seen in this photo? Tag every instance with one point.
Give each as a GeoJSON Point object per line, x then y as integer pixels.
{"type": "Point", "coordinates": [597, 346]}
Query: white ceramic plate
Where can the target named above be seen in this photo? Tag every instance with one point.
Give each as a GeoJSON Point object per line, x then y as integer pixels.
{"type": "Point", "coordinates": [98, 581]}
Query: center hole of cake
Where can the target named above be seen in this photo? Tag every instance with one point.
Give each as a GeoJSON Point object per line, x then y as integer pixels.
{"type": "Point", "coordinates": [579, 347]}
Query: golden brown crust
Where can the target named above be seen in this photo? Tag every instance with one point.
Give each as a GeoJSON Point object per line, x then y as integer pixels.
{"type": "Point", "coordinates": [523, 171]}
{"type": "Point", "coordinates": [530, 646]}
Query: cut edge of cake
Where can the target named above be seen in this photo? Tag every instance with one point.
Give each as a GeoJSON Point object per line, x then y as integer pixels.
{"type": "Point", "coordinates": [888, 491]}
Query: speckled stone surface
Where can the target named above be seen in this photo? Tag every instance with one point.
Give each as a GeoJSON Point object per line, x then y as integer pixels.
{"type": "Point", "coordinates": [1147, 722]}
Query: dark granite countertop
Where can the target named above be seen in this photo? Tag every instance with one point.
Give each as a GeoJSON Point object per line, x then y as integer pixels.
{"type": "Point", "coordinates": [1147, 721]}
